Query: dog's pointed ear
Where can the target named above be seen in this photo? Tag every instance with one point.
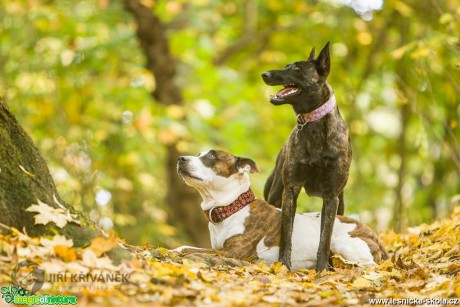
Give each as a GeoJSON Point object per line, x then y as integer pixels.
{"type": "Point", "coordinates": [245, 165]}
{"type": "Point", "coordinates": [312, 54]}
{"type": "Point", "coordinates": [323, 64]}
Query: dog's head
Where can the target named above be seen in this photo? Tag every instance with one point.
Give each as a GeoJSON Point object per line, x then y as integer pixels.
{"type": "Point", "coordinates": [303, 82]}
{"type": "Point", "coordinates": [215, 169]}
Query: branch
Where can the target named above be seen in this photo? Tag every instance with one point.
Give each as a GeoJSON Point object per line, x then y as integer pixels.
{"type": "Point", "coordinates": [249, 38]}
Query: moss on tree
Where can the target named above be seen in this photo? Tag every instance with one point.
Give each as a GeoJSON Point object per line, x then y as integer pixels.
{"type": "Point", "coordinates": [24, 178]}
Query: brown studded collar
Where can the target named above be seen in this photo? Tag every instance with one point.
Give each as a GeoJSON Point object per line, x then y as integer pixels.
{"type": "Point", "coordinates": [217, 214]}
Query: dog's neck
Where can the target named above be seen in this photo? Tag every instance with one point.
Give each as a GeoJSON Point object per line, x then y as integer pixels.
{"type": "Point", "coordinates": [321, 109]}
{"type": "Point", "coordinates": [213, 197]}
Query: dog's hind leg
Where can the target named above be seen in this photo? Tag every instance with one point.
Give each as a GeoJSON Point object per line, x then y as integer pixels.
{"type": "Point", "coordinates": [341, 208]}
{"type": "Point", "coordinates": [328, 213]}
{"type": "Point", "coordinates": [275, 194]}
{"type": "Point", "coordinates": [268, 185]}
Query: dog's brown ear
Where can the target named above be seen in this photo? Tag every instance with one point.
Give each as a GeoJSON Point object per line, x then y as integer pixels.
{"type": "Point", "coordinates": [246, 165]}
{"type": "Point", "coordinates": [323, 64]}
{"type": "Point", "coordinates": [312, 54]}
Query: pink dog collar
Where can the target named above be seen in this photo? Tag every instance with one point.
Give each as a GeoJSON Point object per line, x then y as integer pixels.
{"type": "Point", "coordinates": [317, 114]}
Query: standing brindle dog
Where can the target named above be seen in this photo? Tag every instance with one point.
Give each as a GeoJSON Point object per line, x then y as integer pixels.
{"type": "Point", "coordinates": [317, 154]}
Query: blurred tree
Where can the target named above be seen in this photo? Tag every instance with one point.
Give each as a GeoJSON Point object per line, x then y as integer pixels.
{"type": "Point", "coordinates": [182, 200]}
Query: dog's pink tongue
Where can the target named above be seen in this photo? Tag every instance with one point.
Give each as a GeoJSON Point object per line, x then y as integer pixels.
{"type": "Point", "coordinates": [285, 91]}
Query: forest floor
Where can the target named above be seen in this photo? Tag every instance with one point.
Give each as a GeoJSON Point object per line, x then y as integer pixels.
{"type": "Point", "coordinates": [424, 264]}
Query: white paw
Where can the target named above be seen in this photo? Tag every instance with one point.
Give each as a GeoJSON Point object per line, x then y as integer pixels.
{"type": "Point", "coordinates": [181, 248]}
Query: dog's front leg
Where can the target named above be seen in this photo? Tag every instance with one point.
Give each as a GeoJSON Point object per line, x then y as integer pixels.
{"type": "Point", "coordinates": [328, 213]}
{"type": "Point", "coordinates": [288, 209]}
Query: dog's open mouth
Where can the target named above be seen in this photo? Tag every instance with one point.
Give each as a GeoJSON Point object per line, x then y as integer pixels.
{"type": "Point", "coordinates": [288, 90]}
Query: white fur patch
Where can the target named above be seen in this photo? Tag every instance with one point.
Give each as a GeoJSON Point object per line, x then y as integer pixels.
{"type": "Point", "coordinates": [233, 225]}
{"type": "Point", "coordinates": [268, 254]}
{"type": "Point", "coordinates": [305, 242]}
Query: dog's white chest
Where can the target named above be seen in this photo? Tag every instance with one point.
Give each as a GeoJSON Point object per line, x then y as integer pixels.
{"type": "Point", "coordinates": [233, 225]}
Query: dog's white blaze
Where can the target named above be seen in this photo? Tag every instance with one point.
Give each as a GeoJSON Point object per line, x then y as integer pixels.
{"type": "Point", "coordinates": [233, 225]}
{"type": "Point", "coordinates": [203, 153]}
{"type": "Point", "coordinates": [215, 190]}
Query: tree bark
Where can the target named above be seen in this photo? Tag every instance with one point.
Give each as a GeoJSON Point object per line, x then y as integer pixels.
{"type": "Point", "coordinates": [25, 179]}
{"type": "Point", "coordinates": [183, 201]}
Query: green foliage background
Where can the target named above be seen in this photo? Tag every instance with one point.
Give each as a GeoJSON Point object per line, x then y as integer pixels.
{"type": "Point", "coordinates": [73, 73]}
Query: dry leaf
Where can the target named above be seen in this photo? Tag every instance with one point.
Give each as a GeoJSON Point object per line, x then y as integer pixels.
{"type": "Point", "coordinates": [48, 214]}
{"type": "Point", "coordinates": [65, 253]}
{"type": "Point", "coordinates": [56, 240]}
{"type": "Point", "coordinates": [361, 282]}
{"type": "Point", "coordinates": [100, 245]}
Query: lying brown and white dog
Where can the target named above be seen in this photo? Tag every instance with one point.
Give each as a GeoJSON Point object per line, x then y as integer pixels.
{"type": "Point", "coordinates": [242, 226]}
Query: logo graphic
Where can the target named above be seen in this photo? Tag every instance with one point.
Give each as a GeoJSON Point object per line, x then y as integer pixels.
{"type": "Point", "coordinates": [28, 275]}
{"type": "Point", "coordinates": [27, 278]}
{"type": "Point", "coordinates": [8, 293]}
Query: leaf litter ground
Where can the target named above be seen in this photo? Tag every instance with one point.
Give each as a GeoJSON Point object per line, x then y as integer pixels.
{"type": "Point", "coordinates": [425, 263]}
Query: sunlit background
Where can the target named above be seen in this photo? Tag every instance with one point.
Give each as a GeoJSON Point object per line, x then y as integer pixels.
{"type": "Point", "coordinates": [74, 75]}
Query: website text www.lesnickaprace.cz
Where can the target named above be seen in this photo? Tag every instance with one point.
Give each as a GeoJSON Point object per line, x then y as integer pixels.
{"type": "Point", "coordinates": [414, 301]}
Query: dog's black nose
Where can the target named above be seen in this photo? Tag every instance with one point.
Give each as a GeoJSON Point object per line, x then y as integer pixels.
{"type": "Point", "coordinates": [266, 74]}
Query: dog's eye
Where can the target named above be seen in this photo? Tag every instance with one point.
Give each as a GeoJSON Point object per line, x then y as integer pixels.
{"type": "Point", "coordinates": [212, 155]}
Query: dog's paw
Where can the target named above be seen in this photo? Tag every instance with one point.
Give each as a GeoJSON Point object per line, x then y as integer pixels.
{"type": "Point", "coordinates": [179, 249]}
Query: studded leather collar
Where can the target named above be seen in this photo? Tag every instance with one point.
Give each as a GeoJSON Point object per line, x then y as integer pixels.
{"type": "Point", "coordinates": [217, 214]}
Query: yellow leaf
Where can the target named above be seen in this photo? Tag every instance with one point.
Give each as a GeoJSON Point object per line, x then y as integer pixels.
{"type": "Point", "coordinates": [65, 253]}
{"type": "Point", "coordinates": [457, 291]}
{"type": "Point", "coordinates": [163, 251]}
{"type": "Point", "coordinates": [278, 268]}
{"type": "Point", "coordinates": [361, 282]}
{"type": "Point", "coordinates": [100, 245]}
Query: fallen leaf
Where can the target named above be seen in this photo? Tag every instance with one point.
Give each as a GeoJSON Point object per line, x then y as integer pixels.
{"type": "Point", "coordinates": [361, 282]}
{"type": "Point", "coordinates": [65, 253]}
{"type": "Point", "coordinates": [100, 245]}
{"type": "Point", "coordinates": [56, 240]}
{"type": "Point", "coordinates": [48, 214]}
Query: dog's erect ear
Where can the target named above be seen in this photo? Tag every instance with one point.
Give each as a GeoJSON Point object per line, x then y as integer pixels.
{"type": "Point", "coordinates": [245, 165]}
{"type": "Point", "coordinates": [323, 64]}
{"type": "Point", "coordinates": [312, 54]}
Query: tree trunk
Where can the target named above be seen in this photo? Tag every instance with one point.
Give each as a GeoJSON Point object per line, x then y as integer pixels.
{"type": "Point", "coordinates": [25, 179]}
{"type": "Point", "coordinates": [183, 201]}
